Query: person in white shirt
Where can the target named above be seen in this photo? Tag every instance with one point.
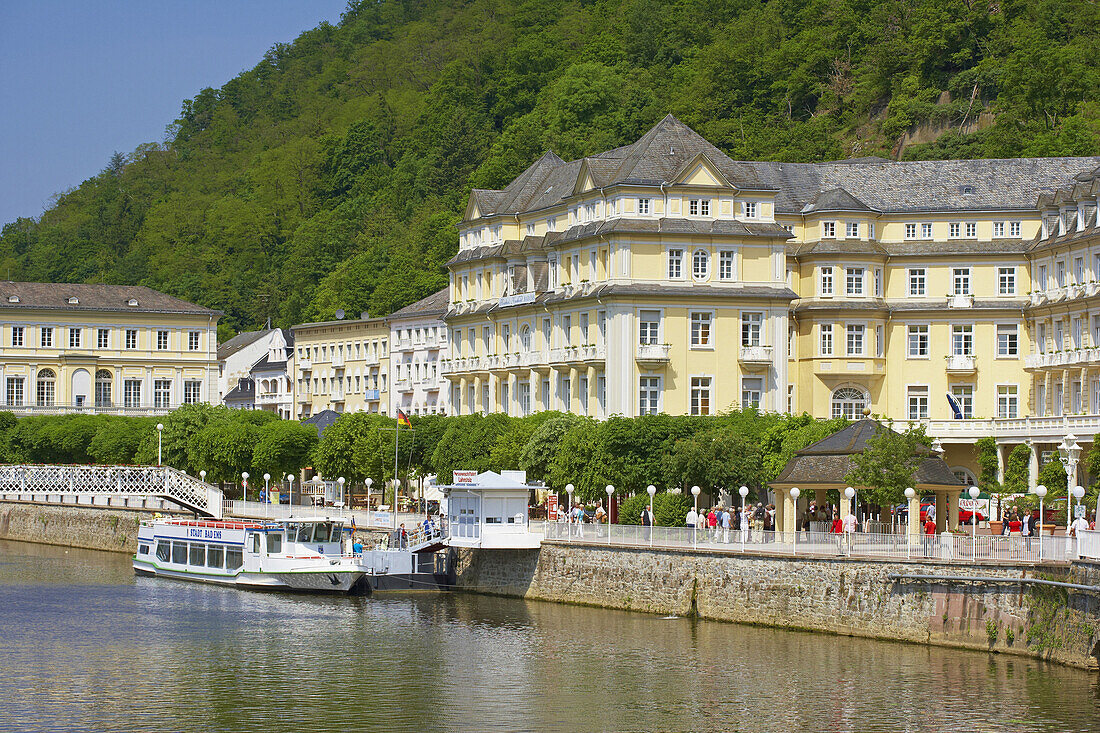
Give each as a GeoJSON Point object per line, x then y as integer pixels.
{"type": "Point", "coordinates": [692, 518]}
{"type": "Point", "coordinates": [726, 526]}
{"type": "Point", "coordinates": [1076, 526]}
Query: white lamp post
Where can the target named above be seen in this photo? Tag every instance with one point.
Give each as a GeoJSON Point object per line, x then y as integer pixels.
{"type": "Point", "coordinates": [850, 494]}
{"type": "Point", "coordinates": [1078, 492]}
{"type": "Point", "coordinates": [1070, 454]}
{"type": "Point", "coordinates": [695, 491]}
{"type": "Point", "coordinates": [651, 490]}
{"type": "Point", "coordinates": [795, 493]}
{"type": "Point", "coordinates": [160, 443]}
{"type": "Point", "coordinates": [202, 475]}
{"type": "Point", "coordinates": [370, 482]}
{"type": "Point", "coordinates": [244, 489]}
{"type": "Point", "coordinates": [341, 482]}
{"type": "Point", "coordinates": [974, 492]}
{"type": "Point", "coordinates": [1040, 491]}
{"type": "Point", "coordinates": [290, 494]}
{"type": "Point", "coordinates": [396, 489]}
{"type": "Point", "coordinates": [610, 491]}
{"type": "Point", "coordinates": [267, 487]}
{"type": "Point", "coordinates": [910, 494]}
{"type": "Point", "coordinates": [743, 491]}
{"type": "Point", "coordinates": [569, 489]}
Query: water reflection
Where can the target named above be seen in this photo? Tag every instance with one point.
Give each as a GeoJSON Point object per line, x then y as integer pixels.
{"type": "Point", "coordinates": [89, 647]}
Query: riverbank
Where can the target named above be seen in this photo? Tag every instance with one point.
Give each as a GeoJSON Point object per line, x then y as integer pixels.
{"type": "Point", "coordinates": [844, 596]}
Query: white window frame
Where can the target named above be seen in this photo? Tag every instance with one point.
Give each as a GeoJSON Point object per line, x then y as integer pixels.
{"type": "Point", "coordinates": [826, 281]}
{"type": "Point", "coordinates": [1008, 401]}
{"type": "Point", "coordinates": [747, 389]}
{"type": "Point", "coordinates": [965, 402]}
{"type": "Point", "coordinates": [643, 206]}
{"type": "Point", "coordinates": [675, 263]}
{"type": "Point", "coordinates": [913, 337]}
{"type": "Point", "coordinates": [917, 396]}
{"type": "Point", "coordinates": [915, 275]}
{"type": "Point", "coordinates": [961, 275]}
{"type": "Point", "coordinates": [1006, 280]}
{"type": "Point", "coordinates": [704, 390]}
{"type": "Point", "coordinates": [727, 265]}
{"type": "Point", "coordinates": [962, 339]}
{"type": "Point", "coordinates": [926, 230]}
{"type": "Point", "coordinates": [751, 209]}
{"type": "Point", "coordinates": [852, 279]}
{"type": "Point", "coordinates": [828, 230]}
{"type": "Point", "coordinates": [850, 329]}
{"type": "Point", "coordinates": [826, 343]}
{"type": "Point", "coordinates": [1008, 347]}
{"type": "Point", "coordinates": [911, 231]}
{"type": "Point", "coordinates": [650, 389]}
{"type": "Point", "coordinates": [697, 274]}
{"type": "Point", "coordinates": [851, 230]}
{"type": "Point", "coordinates": [705, 320]}
{"type": "Point", "coordinates": [746, 319]}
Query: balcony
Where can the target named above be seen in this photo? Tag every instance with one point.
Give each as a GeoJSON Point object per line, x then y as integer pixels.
{"type": "Point", "coordinates": [85, 408]}
{"type": "Point", "coordinates": [961, 364]}
{"type": "Point", "coordinates": [960, 301]}
{"type": "Point", "coordinates": [337, 361]}
{"type": "Point", "coordinates": [371, 395]}
{"type": "Point", "coordinates": [756, 357]}
{"type": "Point", "coordinates": [1014, 430]}
{"type": "Point", "coordinates": [403, 385]}
{"type": "Point", "coordinates": [271, 398]}
{"type": "Point", "coordinates": [337, 395]}
{"type": "Point", "coordinates": [653, 354]}
{"type": "Point", "coordinates": [305, 365]}
{"type": "Point", "coordinates": [1068, 358]}
{"type": "Point", "coordinates": [844, 367]}
{"type": "Point", "coordinates": [304, 398]}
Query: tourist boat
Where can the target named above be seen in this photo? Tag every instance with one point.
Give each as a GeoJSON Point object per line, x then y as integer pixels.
{"type": "Point", "coordinates": [299, 554]}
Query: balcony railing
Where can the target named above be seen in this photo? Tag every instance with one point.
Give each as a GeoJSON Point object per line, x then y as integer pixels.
{"type": "Point", "coordinates": [271, 398]}
{"type": "Point", "coordinates": [960, 301]}
{"type": "Point", "coordinates": [66, 408]}
{"type": "Point", "coordinates": [305, 365]}
{"type": "Point", "coordinates": [960, 364]}
{"type": "Point", "coordinates": [371, 395]}
{"type": "Point", "coordinates": [1049, 429]}
{"type": "Point", "coordinates": [1069, 357]}
{"type": "Point", "coordinates": [653, 353]}
{"type": "Point", "coordinates": [758, 356]}
{"type": "Point", "coordinates": [337, 361]}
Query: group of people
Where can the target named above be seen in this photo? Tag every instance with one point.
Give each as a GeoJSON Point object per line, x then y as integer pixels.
{"type": "Point", "coordinates": [718, 524]}
{"type": "Point", "coordinates": [577, 516]}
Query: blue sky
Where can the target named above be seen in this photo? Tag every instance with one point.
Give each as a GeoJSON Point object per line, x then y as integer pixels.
{"type": "Point", "coordinates": [80, 80]}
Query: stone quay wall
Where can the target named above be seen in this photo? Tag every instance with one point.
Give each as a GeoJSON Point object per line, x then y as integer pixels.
{"type": "Point", "coordinates": [855, 597]}
{"type": "Point", "coordinates": [114, 530]}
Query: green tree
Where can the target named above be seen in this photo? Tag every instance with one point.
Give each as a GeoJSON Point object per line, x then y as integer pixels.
{"type": "Point", "coordinates": [283, 447]}
{"type": "Point", "coordinates": [888, 464]}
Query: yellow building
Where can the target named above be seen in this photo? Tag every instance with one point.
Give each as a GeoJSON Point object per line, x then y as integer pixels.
{"type": "Point", "coordinates": [104, 349]}
{"type": "Point", "coordinates": [341, 365]}
{"type": "Point", "coordinates": [665, 276]}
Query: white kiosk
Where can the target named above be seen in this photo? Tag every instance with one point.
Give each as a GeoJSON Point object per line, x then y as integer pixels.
{"type": "Point", "coordinates": [489, 511]}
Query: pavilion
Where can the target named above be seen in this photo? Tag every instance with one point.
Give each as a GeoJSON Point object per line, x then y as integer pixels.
{"type": "Point", "coordinates": [824, 465]}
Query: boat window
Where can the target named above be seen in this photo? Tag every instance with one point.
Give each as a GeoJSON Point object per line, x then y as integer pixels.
{"type": "Point", "coordinates": [179, 553]}
{"type": "Point", "coordinates": [337, 532]}
{"type": "Point", "coordinates": [214, 556]}
{"type": "Point", "coordinates": [305, 532]}
{"type": "Point", "coordinates": [274, 542]}
{"type": "Point", "coordinates": [322, 532]}
{"type": "Point", "coordinates": [234, 558]}
{"type": "Point", "coordinates": [256, 543]}
{"type": "Point", "coordinates": [164, 550]}
{"type": "Point", "coordinates": [198, 554]}
{"type": "Point", "coordinates": [143, 549]}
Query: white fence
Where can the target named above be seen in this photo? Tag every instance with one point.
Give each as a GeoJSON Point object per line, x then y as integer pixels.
{"type": "Point", "coordinates": [946, 546]}
{"type": "Point", "coordinates": [85, 484]}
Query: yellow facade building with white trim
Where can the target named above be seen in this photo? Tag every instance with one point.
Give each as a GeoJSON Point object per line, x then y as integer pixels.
{"type": "Point", "coordinates": [109, 349]}
{"type": "Point", "coordinates": [665, 276]}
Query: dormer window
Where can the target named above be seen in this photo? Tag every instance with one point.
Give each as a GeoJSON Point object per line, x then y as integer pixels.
{"type": "Point", "coordinates": [74, 300]}
{"type": "Point", "coordinates": [13, 298]}
{"type": "Point", "coordinates": [699, 207]}
{"type": "Point", "coordinates": [132, 302]}
{"type": "Point", "coordinates": [750, 209]}
{"type": "Point", "coordinates": [828, 229]}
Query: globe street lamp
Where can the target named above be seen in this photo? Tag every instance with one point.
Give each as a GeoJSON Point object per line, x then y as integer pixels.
{"type": "Point", "coordinates": [569, 489]}
{"type": "Point", "coordinates": [370, 482]}
{"type": "Point", "coordinates": [974, 492]}
{"type": "Point", "coordinates": [651, 490]}
{"type": "Point", "coordinates": [1040, 491]}
{"type": "Point", "coordinates": [290, 494]}
{"type": "Point", "coordinates": [202, 475]}
{"type": "Point", "coordinates": [244, 485]}
{"type": "Point", "coordinates": [1078, 492]}
{"type": "Point", "coordinates": [910, 494]}
{"type": "Point", "coordinates": [160, 443]}
{"type": "Point", "coordinates": [267, 487]}
{"type": "Point", "coordinates": [743, 491]}
{"type": "Point", "coordinates": [1070, 455]}
{"type": "Point", "coordinates": [695, 491]}
{"type": "Point", "coordinates": [610, 491]}
{"type": "Point", "coordinates": [341, 482]}
{"type": "Point", "coordinates": [795, 493]}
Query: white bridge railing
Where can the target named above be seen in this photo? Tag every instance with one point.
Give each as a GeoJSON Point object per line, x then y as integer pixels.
{"type": "Point", "coordinates": [55, 483]}
{"type": "Point", "coordinates": [946, 546]}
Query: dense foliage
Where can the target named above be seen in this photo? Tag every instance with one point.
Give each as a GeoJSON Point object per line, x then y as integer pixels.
{"type": "Point", "coordinates": [332, 174]}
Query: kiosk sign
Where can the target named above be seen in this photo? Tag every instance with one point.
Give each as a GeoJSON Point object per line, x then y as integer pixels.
{"type": "Point", "coordinates": [552, 507]}
{"type": "Point", "coordinates": [464, 478]}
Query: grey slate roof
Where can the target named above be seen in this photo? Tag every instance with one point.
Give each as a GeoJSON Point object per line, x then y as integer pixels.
{"type": "Point", "coordinates": [434, 304]}
{"type": "Point", "coordinates": [858, 184]}
{"type": "Point", "coordinates": [245, 392]}
{"type": "Point", "coordinates": [94, 297]}
{"type": "Point", "coordinates": [323, 420]}
{"type": "Point", "coordinates": [828, 461]}
{"type": "Point", "coordinates": [238, 342]}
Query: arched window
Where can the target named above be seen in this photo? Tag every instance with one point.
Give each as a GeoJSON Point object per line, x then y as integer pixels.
{"type": "Point", "coordinates": [849, 403]}
{"type": "Point", "coordinates": [964, 474]}
{"type": "Point", "coordinates": [102, 388]}
{"type": "Point", "coordinates": [46, 386]}
{"type": "Point", "coordinates": [525, 337]}
{"type": "Point", "coordinates": [700, 264]}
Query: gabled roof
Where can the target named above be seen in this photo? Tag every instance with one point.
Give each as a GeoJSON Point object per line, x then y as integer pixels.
{"type": "Point", "coordinates": [244, 391]}
{"type": "Point", "coordinates": [835, 199]}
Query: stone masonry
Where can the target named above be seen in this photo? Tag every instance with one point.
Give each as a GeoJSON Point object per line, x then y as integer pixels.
{"type": "Point", "coordinates": [837, 595]}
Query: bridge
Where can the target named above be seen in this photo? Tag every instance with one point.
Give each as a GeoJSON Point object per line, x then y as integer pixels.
{"type": "Point", "coordinates": [109, 486]}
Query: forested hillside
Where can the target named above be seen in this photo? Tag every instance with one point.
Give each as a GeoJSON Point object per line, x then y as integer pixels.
{"type": "Point", "coordinates": [332, 174]}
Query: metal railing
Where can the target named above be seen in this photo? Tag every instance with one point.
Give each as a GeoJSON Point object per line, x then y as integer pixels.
{"type": "Point", "coordinates": [1088, 544]}
{"type": "Point", "coordinates": [51, 483]}
{"type": "Point", "coordinates": [946, 546]}
{"type": "Point", "coordinates": [85, 408]}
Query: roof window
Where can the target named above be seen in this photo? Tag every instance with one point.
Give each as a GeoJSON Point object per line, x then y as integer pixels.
{"type": "Point", "coordinates": [966, 189]}
{"type": "Point", "coordinates": [73, 300]}
{"type": "Point", "coordinates": [13, 298]}
{"type": "Point", "coordinates": [132, 302]}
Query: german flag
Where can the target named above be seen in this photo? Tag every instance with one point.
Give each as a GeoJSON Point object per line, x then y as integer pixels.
{"type": "Point", "coordinates": [403, 419]}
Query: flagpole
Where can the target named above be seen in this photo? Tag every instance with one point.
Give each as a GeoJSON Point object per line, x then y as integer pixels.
{"type": "Point", "coordinates": [396, 443]}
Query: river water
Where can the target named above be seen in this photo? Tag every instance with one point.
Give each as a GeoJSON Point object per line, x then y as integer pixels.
{"type": "Point", "coordinates": [86, 646]}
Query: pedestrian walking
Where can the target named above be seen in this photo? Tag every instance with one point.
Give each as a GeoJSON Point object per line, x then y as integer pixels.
{"type": "Point", "coordinates": [725, 526]}
{"type": "Point", "coordinates": [928, 537]}
{"type": "Point", "coordinates": [712, 523]}
{"type": "Point", "coordinates": [746, 525]}
{"type": "Point", "coordinates": [647, 523]}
